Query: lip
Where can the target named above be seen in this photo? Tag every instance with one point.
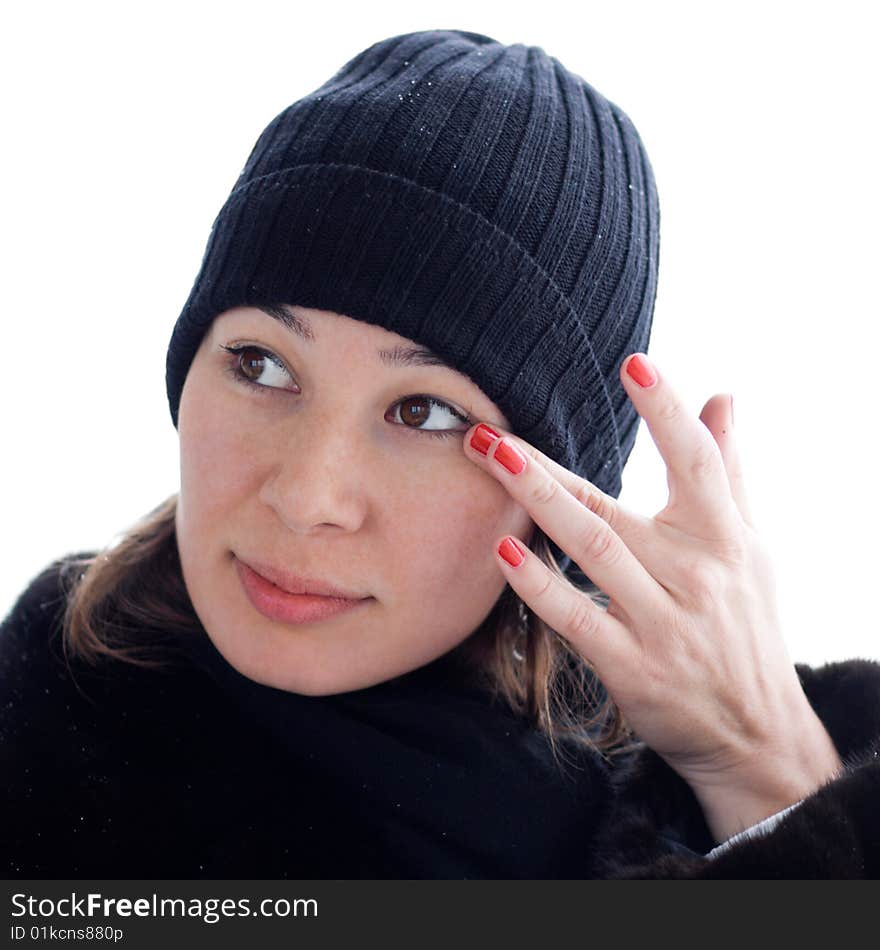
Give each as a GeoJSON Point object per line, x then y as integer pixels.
{"type": "Point", "coordinates": [277, 603]}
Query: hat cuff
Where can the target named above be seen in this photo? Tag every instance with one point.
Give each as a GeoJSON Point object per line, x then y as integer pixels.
{"type": "Point", "coordinates": [381, 248]}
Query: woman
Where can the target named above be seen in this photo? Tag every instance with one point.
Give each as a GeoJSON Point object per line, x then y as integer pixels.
{"type": "Point", "coordinates": [395, 624]}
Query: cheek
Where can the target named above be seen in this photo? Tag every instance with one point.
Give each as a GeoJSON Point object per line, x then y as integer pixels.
{"type": "Point", "coordinates": [446, 531]}
{"type": "Point", "coordinates": [215, 464]}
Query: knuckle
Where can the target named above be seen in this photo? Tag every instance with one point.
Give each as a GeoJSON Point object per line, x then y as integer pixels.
{"type": "Point", "coordinates": [544, 491]}
{"type": "Point", "coordinates": [703, 581]}
{"type": "Point", "coordinates": [544, 590]}
{"type": "Point", "coordinates": [733, 551]}
{"type": "Point", "coordinates": [669, 410]}
{"type": "Point", "coordinates": [596, 501]}
{"type": "Point", "coordinates": [705, 462]}
{"type": "Point", "coordinates": [581, 618]}
{"type": "Point", "coordinates": [653, 678]}
{"type": "Point", "coordinates": [599, 546]}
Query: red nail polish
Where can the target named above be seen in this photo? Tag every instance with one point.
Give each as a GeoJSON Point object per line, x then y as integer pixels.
{"type": "Point", "coordinates": [511, 552]}
{"type": "Point", "coordinates": [511, 458]}
{"type": "Point", "coordinates": [482, 438]}
{"type": "Point", "coordinates": [641, 371]}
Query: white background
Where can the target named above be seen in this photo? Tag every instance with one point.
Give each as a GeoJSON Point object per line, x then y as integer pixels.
{"type": "Point", "coordinates": [125, 127]}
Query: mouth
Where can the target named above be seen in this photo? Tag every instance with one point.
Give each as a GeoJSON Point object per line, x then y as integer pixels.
{"type": "Point", "coordinates": [276, 603]}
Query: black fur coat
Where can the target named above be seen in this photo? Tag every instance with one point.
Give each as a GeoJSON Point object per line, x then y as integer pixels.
{"type": "Point", "coordinates": [115, 771]}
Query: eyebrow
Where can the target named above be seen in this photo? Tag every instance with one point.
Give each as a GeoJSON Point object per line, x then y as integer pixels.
{"type": "Point", "coordinates": [396, 356]}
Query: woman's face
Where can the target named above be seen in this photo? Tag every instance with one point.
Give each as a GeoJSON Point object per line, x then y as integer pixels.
{"type": "Point", "coordinates": [330, 463]}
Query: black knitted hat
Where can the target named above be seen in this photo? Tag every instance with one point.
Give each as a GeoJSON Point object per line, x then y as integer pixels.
{"type": "Point", "coordinates": [474, 197]}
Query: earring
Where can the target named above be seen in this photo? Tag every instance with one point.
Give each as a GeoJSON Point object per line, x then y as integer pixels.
{"type": "Point", "coordinates": [522, 612]}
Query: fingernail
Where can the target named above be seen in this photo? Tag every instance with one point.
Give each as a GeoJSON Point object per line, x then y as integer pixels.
{"type": "Point", "coordinates": [511, 552]}
{"type": "Point", "coordinates": [512, 459]}
{"type": "Point", "coordinates": [482, 438]}
{"type": "Point", "coordinates": [641, 370]}
{"type": "Point", "coordinates": [731, 410]}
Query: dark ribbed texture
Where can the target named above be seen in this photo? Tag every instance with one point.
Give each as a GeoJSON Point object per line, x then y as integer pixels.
{"type": "Point", "coordinates": [477, 198]}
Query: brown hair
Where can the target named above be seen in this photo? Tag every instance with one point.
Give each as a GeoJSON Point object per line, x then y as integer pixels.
{"type": "Point", "coordinates": [130, 602]}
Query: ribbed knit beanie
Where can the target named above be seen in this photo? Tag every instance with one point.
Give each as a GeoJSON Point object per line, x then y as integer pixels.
{"type": "Point", "coordinates": [475, 197]}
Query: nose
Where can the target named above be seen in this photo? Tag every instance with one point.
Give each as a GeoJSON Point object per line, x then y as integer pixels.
{"type": "Point", "coordinates": [317, 478]}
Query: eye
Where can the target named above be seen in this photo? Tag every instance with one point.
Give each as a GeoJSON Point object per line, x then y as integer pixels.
{"type": "Point", "coordinates": [251, 362]}
{"type": "Point", "coordinates": [415, 409]}
{"type": "Point", "coordinates": [250, 365]}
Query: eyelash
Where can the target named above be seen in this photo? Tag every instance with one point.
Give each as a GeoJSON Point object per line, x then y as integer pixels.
{"type": "Point", "coordinates": [234, 369]}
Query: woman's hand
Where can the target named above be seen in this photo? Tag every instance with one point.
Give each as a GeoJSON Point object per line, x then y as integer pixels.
{"type": "Point", "coordinates": [690, 647]}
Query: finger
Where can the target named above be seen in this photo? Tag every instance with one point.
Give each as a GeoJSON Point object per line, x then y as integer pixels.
{"type": "Point", "coordinates": [717, 416]}
{"type": "Point", "coordinates": [697, 479]}
{"type": "Point", "coordinates": [630, 526]}
{"type": "Point", "coordinates": [600, 639]}
{"type": "Point", "coordinates": [591, 543]}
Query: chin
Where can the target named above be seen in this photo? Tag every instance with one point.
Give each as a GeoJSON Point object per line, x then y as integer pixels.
{"type": "Point", "coordinates": [306, 679]}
